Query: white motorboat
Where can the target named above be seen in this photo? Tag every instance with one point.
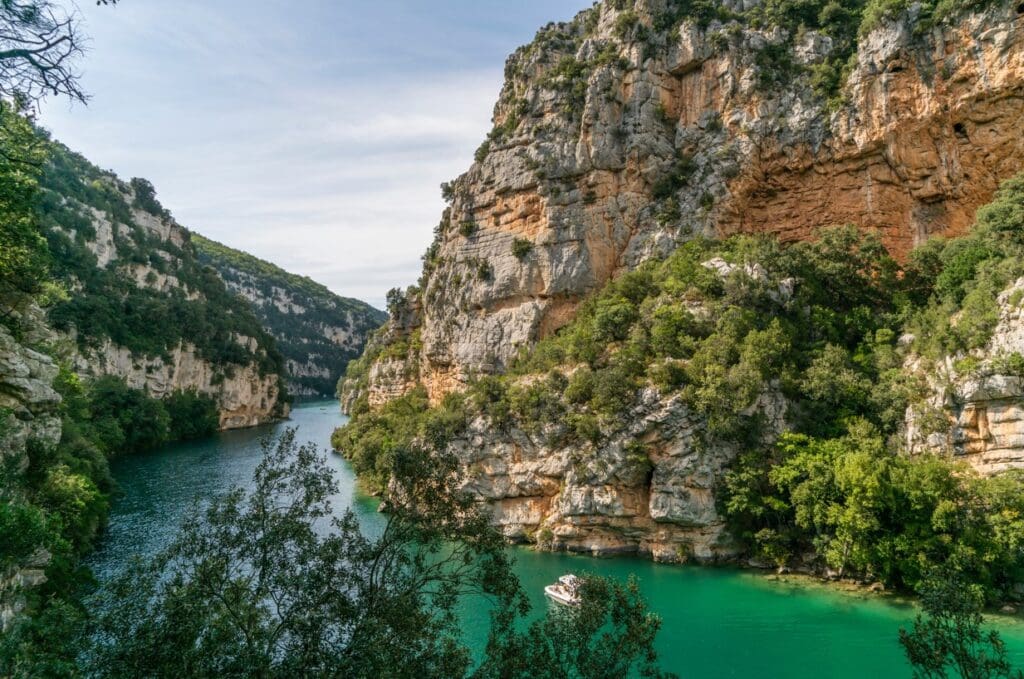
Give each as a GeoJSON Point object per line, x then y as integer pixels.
{"type": "Point", "coordinates": [565, 590]}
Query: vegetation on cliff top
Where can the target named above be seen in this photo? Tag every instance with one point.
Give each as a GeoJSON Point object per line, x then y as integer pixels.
{"type": "Point", "coordinates": [306, 335]}
{"type": "Point", "coordinates": [109, 303]}
{"type": "Point", "coordinates": [840, 24]}
{"type": "Point", "coordinates": [722, 325]}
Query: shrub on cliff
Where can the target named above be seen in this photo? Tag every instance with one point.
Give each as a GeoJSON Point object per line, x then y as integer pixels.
{"type": "Point", "coordinates": [722, 325]}
{"type": "Point", "coordinates": [962, 277]}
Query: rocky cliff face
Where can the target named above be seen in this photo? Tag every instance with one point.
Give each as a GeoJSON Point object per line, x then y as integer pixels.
{"type": "Point", "coordinates": [28, 402]}
{"type": "Point", "coordinates": [141, 306]}
{"type": "Point", "coordinates": [623, 134]}
{"type": "Point", "coordinates": [317, 331]}
{"type": "Point", "coordinates": [614, 142]}
{"type": "Point", "coordinates": [975, 410]}
{"type": "Point", "coordinates": [28, 412]}
{"type": "Point", "coordinates": [650, 489]}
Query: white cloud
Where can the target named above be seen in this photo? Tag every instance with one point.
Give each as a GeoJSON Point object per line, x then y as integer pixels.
{"type": "Point", "coordinates": [317, 140]}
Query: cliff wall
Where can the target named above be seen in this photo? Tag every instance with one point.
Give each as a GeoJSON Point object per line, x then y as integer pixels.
{"type": "Point", "coordinates": [141, 305]}
{"type": "Point", "coordinates": [633, 130]}
{"type": "Point", "coordinates": [317, 332]}
{"type": "Point", "coordinates": [618, 137]}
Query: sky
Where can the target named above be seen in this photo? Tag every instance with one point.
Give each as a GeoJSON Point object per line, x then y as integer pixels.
{"type": "Point", "coordinates": [311, 133]}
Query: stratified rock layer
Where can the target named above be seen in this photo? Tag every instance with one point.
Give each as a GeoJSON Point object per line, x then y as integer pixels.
{"type": "Point", "coordinates": [659, 502]}
{"type": "Point", "coordinates": [130, 241]}
{"type": "Point", "coordinates": [581, 179]}
{"type": "Point", "coordinates": [976, 409]}
{"type": "Point", "coordinates": [614, 145]}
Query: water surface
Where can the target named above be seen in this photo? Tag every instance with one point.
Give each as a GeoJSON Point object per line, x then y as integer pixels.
{"type": "Point", "coordinates": [716, 622]}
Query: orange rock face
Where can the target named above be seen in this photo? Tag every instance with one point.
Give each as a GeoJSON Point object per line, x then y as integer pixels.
{"type": "Point", "coordinates": [626, 158]}
{"type": "Point", "coordinates": [935, 125]}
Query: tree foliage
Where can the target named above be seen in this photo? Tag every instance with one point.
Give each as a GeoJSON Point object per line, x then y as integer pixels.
{"type": "Point", "coordinates": [273, 583]}
{"type": "Point", "coordinates": [948, 640]}
{"type": "Point", "coordinates": [24, 258]}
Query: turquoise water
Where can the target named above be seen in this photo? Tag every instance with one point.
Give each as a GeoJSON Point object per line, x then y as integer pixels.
{"type": "Point", "coordinates": [716, 622]}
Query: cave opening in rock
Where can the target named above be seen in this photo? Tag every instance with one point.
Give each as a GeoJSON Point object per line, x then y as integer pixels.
{"type": "Point", "coordinates": [960, 130]}
{"type": "Point", "coordinates": [1020, 8]}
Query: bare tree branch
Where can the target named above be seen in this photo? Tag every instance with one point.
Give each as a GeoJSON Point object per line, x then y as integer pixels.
{"type": "Point", "coordinates": [40, 43]}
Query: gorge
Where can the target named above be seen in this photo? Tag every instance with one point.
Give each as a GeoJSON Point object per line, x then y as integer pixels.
{"type": "Point", "coordinates": [583, 386]}
{"type": "Point", "coordinates": [732, 291]}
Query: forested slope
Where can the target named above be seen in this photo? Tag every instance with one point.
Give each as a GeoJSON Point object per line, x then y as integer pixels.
{"type": "Point", "coordinates": [317, 331]}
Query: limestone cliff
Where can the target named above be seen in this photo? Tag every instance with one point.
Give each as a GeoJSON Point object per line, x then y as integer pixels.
{"type": "Point", "coordinates": [640, 126]}
{"type": "Point", "coordinates": [650, 489]}
{"type": "Point", "coordinates": [28, 412]}
{"type": "Point", "coordinates": [141, 306]}
{"type": "Point", "coordinates": [975, 408]}
{"type": "Point", "coordinates": [317, 331]}
{"type": "Point", "coordinates": [28, 402]}
{"type": "Point", "coordinates": [618, 136]}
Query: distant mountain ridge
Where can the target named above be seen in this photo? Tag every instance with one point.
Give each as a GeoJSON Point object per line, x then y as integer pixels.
{"type": "Point", "coordinates": [317, 331]}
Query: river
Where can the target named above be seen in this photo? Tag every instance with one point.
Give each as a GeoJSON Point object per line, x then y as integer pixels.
{"type": "Point", "coordinates": [716, 622]}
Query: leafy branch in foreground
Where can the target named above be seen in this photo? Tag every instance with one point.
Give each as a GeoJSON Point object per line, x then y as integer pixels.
{"type": "Point", "coordinates": [273, 583]}
{"type": "Point", "coordinates": [607, 636]}
{"type": "Point", "coordinates": [948, 640]}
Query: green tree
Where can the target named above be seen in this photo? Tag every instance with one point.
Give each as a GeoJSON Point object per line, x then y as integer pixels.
{"type": "Point", "coordinates": [23, 251]}
{"type": "Point", "coordinates": [192, 415]}
{"type": "Point", "coordinates": [609, 635]}
{"type": "Point", "coordinates": [948, 640]}
{"type": "Point", "coordinates": [271, 584]}
{"type": "Point", "coordinates": [126, 419]}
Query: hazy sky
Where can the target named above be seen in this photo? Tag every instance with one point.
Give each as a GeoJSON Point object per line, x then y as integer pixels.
{"type": "Point", "coordinates": [312, 133]}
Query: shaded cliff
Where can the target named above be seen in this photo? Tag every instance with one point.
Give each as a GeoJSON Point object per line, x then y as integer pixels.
{"type": "Point", "coordinates": [140, 304]}
{"type": "Point", "coordinates": [317, 332]}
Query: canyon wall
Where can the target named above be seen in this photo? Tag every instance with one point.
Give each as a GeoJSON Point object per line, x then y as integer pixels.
{"type": "Point", "coordinates": [317, 331]}
{"type": "Point", "coordinates": [620, 136]}
{"type": "Point", "coordinates": [29, 411]}
{"type": "Point", "coordinates": [975, 407]}
{"type": "Point", "coordinates": [613, 146]}
{"type": "Point", "coordinates": [140, 305]}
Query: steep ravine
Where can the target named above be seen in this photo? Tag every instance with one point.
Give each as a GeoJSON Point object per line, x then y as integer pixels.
{"type": "Point", "coordinates": [612, 150]}
{"type": "Point", "coordinates": [317, 331]}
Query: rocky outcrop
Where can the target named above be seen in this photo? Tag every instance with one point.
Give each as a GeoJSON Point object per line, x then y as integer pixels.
{"type": "Point", "coordinates": [650, 491]}
{"type": "Point", "coordinates": [245, 397]}
{"type": "Point", "coordinates": [28, 412]}
{"type": "Point", "coordinates": [975, 407]}
{"type": "Point", "coordinates": [612, 147]}
{"type": "Point", "coordinates": [28, 402]}
{"type": "Point", "coordinates": [929, 131]}
{"type": "Point", "coordinates": [618, 137]}
{"type": "Point", "coordinates": [317, 331]}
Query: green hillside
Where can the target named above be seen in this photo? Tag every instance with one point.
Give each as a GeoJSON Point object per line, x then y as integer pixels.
{"type": "Point", "coordinates": [318, 332]}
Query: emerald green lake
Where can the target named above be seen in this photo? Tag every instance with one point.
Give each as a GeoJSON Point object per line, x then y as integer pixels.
{"type": "Point", "coordinates": [716, 622]}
